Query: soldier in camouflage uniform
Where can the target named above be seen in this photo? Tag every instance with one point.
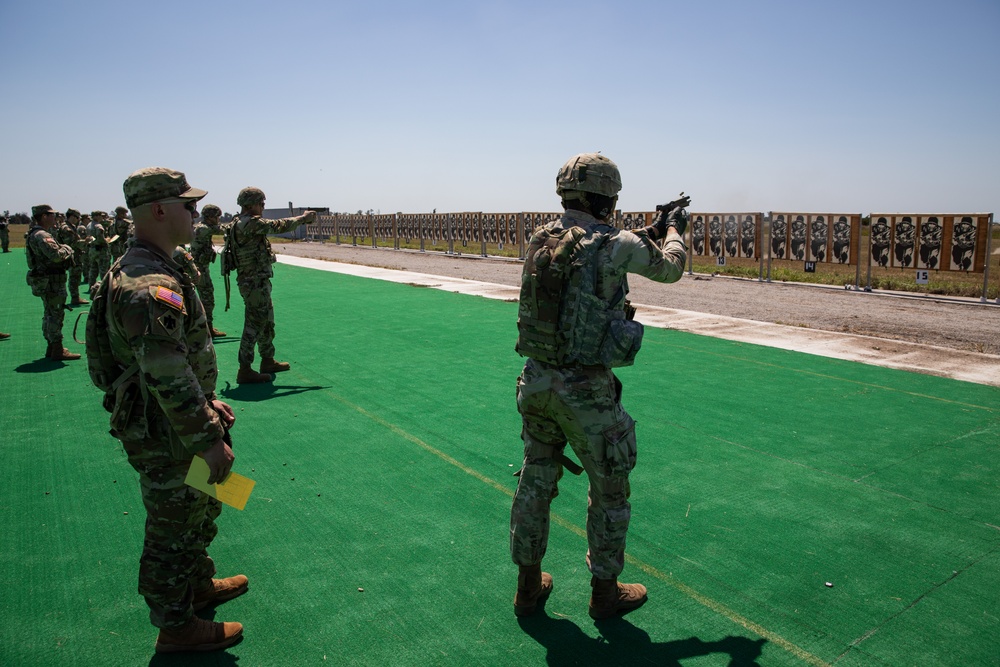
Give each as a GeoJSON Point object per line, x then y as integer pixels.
{"type": "Point", "coordinates": [4, 233]}
{"type": "Point", "coordinates": [166, 412]}
{"type": "Point", "coordinates": [100, 251]}
{"type": "Point", "coordinates": [574, 325]}
{"type": "Point", "coordinates": [68, 234]}
{"type": "Point", "coordinates": [204, 254]}
{"type": "Point", "coordinates": [119, 227]}
{"type": "Point", "coordinates": [254, 257]}
{"type": "Point", "coordinates": [47, 263]}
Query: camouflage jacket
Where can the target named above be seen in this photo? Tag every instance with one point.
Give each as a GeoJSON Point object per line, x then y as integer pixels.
{"type": "Point", "coordinates": [585, 321]}
{"type": "Point", "coordinates": [627, 252]}
{"type": "Point", "coordinates": [45, 255]}
{"type": "Point", "coordinates": [67, 235]}
{"type": "Point", "coordinates": [254, 256]}
{"type": "Point", "coordinates": [201, 245]}
{"type": "Point", "coordinates": [98, 239]}
{"type": "Point", "coordinates": [155, 319]}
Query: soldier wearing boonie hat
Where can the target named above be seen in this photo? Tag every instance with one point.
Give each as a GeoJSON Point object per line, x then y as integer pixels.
{"type": "Point", "coordinates": [165, 411]}
{"type": "Point", "coordinates": [48, 261]}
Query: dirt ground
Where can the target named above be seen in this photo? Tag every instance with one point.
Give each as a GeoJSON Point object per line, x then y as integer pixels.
{"type": "Point", "coordinates": [959, 324]}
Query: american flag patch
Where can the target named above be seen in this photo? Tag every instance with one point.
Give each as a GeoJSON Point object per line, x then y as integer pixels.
{"type": "Point", "coordinates": [169, 297]}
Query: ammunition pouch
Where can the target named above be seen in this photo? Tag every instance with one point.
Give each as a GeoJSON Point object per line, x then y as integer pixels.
{"type": "Point", "coordinates": [621, 343]}
{"type": "Point", "coordinates": [620, 448]}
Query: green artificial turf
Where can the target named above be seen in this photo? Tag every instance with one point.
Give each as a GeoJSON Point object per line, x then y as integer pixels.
{"type": "Point", "coordinates": [377, 531]}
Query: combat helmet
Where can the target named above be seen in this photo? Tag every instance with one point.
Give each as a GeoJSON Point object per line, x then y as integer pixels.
{"type": "Point", "coordinates": [250, 196]}
{"type": "Point", "coordinates": [211, 211]}
{"type": "Point", "coordinates": [589, 172]}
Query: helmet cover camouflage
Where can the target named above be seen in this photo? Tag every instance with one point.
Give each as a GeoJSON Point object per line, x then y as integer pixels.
{"type": "Point", "coordinates": [72, 213]}
{"type": "Point", "coordinates": [211, 211]}
{"type": "Point", "coordinates": [250, 196]}
{"type": "Point", "coordinates": [589, 172]}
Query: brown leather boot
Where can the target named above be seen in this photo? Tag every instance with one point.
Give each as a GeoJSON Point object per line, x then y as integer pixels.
{"type": "Point", "coordinates": [78, 302]}
{"type": "Point", "coordinates": [272, 366]}
{"type": "Point", "coordinates": [57, 352]}
{"type": "Point", "coordinates": [220, 591]}
{"type": "Point", "coordinates": [198, 635]}
{"type": "Point", "coordinates": [216, 333]}
{"type": "Point", "coordinates": [533, 587]}
{"type": "Point", "coordinates": [4, 336]}
{"type": "Point", "coordinates": [247, 375]}
{"type": "Point", "coordinates": [609, 598]}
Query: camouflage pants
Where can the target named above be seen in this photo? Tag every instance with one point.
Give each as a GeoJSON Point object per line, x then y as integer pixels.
{"type": "Point", "coordinates": [4, 239]}
{"type": "Point", "coordinates": [580, 406]}
{"type": "Point", "coordinates": [180, 526]}
{"type": "Point", "coordinates": [206, 290]}
{"type": "Point", "coordinates": [73, 278]}
{"type": "Point", "coordinates": [101, 259]}
{"type": "Point", "coordinates": [52, 291]}
{"type": "Point", "coordinates": [258, 325]}
{"type": "Point", "coordinates": [90, 267]}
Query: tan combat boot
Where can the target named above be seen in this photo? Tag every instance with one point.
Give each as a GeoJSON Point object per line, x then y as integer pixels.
{"type": "Point", "coordinates": [57, 352]}
{"type": "Point", "coordinates": [78, 302]}
{"type": "Point", "coordinates": [198, 635]}
{"type": "Point", "coordinates": [215, 332]}
{"type": "Point", "coordinates": [272, 366]}
{"type": "Point", "coordinates": [4, 336]}
{"type": "Point", "coordinates": [533, 587]}
{"type": "Point", "coordinates": [609, 598]}
{"type": "Point", "coordinates": [220, 591]}
{"type": "Point", "coordinates": [247, 375]}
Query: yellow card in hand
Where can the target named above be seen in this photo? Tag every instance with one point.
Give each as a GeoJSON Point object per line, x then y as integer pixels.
{"type": "Point", "coordinates": [234, 491]}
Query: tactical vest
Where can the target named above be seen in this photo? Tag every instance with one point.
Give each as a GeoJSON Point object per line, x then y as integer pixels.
{"type": "Point", "coordinates": [562, 320]}
{"type": "Point", "coordinates": [253, 254]}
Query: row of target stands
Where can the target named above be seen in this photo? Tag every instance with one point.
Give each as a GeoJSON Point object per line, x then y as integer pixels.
{"type": "Point", "coordinates": [919, 242]}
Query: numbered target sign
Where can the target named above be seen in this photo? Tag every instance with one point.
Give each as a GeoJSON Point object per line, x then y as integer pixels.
{"type": "Point", "coordinates": [720, 260]}
{"type": "Point", "coordinates": [923, 276]}
{"type": "Point", "coordinates": [810, 267]}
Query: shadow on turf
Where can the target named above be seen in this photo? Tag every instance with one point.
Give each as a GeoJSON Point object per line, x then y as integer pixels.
{"type": "Point", "coordinates": [212, 658]}
{"type": "Point", "coordinates": [253, 393]}
{"type": "Point", "coordinates": [566, 644]}
{"type": "Point", "coordinates": [42, 365]}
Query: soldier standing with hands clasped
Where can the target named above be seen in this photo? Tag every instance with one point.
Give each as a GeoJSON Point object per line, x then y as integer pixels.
{"type": "Point", "coordinates": [254, 257]}
{"type": "Point", "coordinates": [149, 349]}
{"type": "Point", "coordinates": [48, 261]}
{"type": "Point", "coordinates": [575, 325]}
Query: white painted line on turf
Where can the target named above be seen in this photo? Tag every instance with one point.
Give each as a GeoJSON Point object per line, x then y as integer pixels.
{"type": "Point", "coordinates": [929, 359]}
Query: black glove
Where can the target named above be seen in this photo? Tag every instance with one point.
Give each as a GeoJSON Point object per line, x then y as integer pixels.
{"type": "Point", "coordinates": [670, 217]}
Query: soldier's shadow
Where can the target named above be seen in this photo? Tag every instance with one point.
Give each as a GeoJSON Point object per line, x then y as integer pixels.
{"type": "Point", "coordinates": [43, 365]}
{"type": "Point", "coordinates": [213, 659]}
{"type": "Point", "coordinates": [621, 642]}
{"type": "Point", "coordinates": [253, 393]}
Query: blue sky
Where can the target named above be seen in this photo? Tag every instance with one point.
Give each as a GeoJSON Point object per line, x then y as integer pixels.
{"type": "Point", "coordinates": [411, 106]}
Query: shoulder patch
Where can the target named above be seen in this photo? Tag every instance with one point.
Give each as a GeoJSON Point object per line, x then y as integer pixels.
{"type": "Point", "coordinates": [169, 297]}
